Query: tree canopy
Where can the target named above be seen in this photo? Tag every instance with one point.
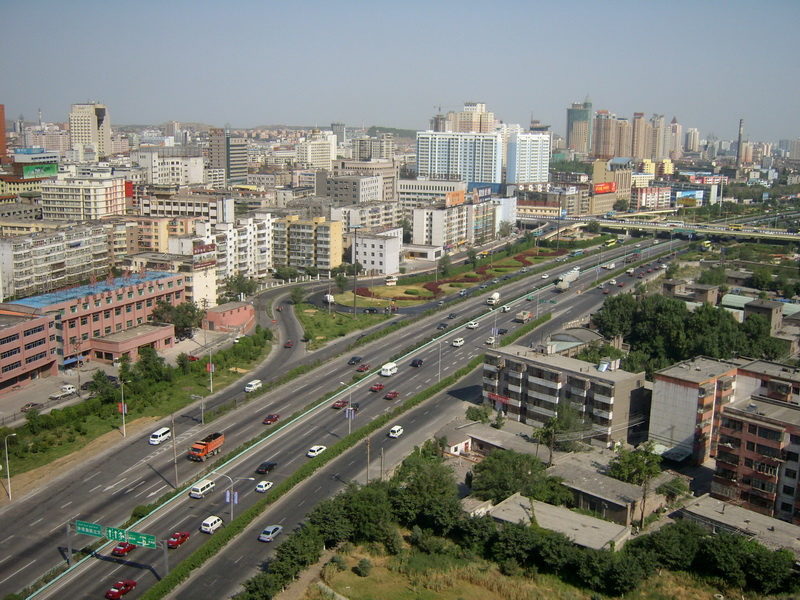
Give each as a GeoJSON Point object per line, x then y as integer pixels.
{"type": "Point", "coordinates": [185, 316]}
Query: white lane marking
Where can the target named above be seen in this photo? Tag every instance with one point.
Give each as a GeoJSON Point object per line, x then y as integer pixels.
{"type": "Point", "coordinates": [2, 560]}
{"type": "Point", "coordinates": [134, 487]}
{"type": "Point", "coordinates": [67, 504]}
{"type": "Point", "coordinates": [113, 485]}
{"type": "Point", "coordinates": [95, 487]}
{"type": "Point", "coordinates": [301, 503]}
{"type": "Point", "coordinates": [154, 492]}
{"type": "Point", "coordinates": [17, 571]}
{"type": "Point", "coordinates": [91, 477]}
{"type": "Point", "coordinates": [8, 538]}
{"type": "Point", "coordinates": [36, 521]}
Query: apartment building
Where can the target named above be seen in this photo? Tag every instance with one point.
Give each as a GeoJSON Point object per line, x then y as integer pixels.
{"type": "Point", "coordinates": [302, 243]}
{"type": "Point", "coordinates": [651, 198]}
{"type": "Point", "coordinates": [469, 221]}
{"type": "Point", "coordinates": [199, 269]}
{"type": "Point", "coordinates": [49, 260]}
{"type": "Point", "coordinates": [416, 193]}
{"type": "Point", "coordinates": [212, 208]}
{"type": "Point", "coordinates": [528, 158]}
{"type": "Point", "coordinates": [387, 169]}
{"type": "Point", "coordinates": [529, 387]}
{"type": "Point", "coordinates": [470, 157]}
{"type": "Point", "coordinates": [352, 189]}
{"type": "Point", "coordinates": [27, 346]}
{"type": "Point", "coordinates": [318, 151]}
{"type": "Point", "coordinates": [177, 165]}
{"type": "Point", "coordinates": [375, 215]}
{"type": "Point", "coordinates": [377, 252]}
{"type": "Point", "coordinates": [83, 197]}
{"type": "Point", "coordinates": [367, 148]}
{"type": "Point", "coordinates": [90, 126]}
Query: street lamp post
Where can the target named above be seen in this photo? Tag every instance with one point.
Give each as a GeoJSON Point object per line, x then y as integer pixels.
{"type": "Point", "coordinates": [210, 372]}
{"type": "Point", "coordinates": [231, 488]}
{"type": "Point", "coordinates": [440, 361]}
{"type": "Point", "coordinates": [8, 473]}
{"type": "Point", "coordinates": [355, 229]}
{"type": "Point", "coordinates": [349, 409]}
{"type": "Point", "coordinates": [202, 407]}
{"type": "Point", "coordinates": [123, 408]}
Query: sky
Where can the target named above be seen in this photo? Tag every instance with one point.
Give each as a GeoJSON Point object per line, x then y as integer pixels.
{"type": "Point", "coordinates": [248, 63]}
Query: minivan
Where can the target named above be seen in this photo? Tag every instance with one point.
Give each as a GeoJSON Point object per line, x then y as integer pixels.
{"type": "Point", "coordinates": [396, 431]}
{"type": "Point", "coordinates": [202, 488]}
{"type": "Point", "coordinates": [211, 524]}
{"type": "Point", "coordinates": [458, 342]}
{"type": "Point", "coordinates": [160, 435]}
{"type": "Point", "coordinates": [252, 386]}
{"type": "Point", "coordinates": [388, 369]}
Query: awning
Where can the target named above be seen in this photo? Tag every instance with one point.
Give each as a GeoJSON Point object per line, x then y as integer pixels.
{"type": "Point", "coordinates": [69, 361]}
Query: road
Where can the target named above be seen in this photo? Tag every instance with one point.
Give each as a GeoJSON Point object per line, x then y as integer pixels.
{"type": "Point", "coordinates": [106, 489]}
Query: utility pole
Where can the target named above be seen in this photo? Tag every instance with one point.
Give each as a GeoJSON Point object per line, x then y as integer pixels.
{"type": "Point", "coordinates": [355, 229]}
{"type": "Point", "coordinates": [368, 445]}
{"type": "Point", "coordinates": [175, 451]}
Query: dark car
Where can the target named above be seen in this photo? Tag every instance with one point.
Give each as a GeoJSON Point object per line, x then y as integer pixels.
{"type": "Point", "coordinates": [441, 326]}
{"type": "Point", "coordinates": [502, 331]}
{"type": "Point", "coordinates": [123, 549]}
{"type": "Point", "coordinates": [266, 467]}
{"type": "Point", "coordinates": [370, 311]}
{"type": "Point", "coordinates": [177, 539]}
{"type": "Point", "coordinates": [119, 589]}
{"type": "Point", "coordinates": [452, 316]}
{"type": "Point", "coordinates": [354, 361]}
{"type": "Point", "coordinates": [87, 385]}
{"type": "Point", "coordinates": [270, 419]}
{"type": "Point", "coordinates": [417, 362]}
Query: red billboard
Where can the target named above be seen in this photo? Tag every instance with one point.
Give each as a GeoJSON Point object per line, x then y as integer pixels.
{"type": "Point", "coordinates": [605, 188]}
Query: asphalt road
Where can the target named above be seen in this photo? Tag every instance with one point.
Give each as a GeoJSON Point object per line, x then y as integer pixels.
{"type": "Point", "coordinates": [106, 489]}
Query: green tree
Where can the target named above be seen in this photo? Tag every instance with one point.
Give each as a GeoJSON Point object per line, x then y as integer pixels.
{"type": "Point", "coordinates": [297, 294]}
{"type": "Point", "coordinates": [621, 205]}
{"type": "Point", "coordinates": [638, 467]}
{"type": "Point", "coordinates": [675, 546]}
{"type": "Point", "coordinates": [479, 413]}
{"type": "Point", "coordinates": [331, 520]}
{"type": "Point", "coordinates": [713, 276]}
{"type": "Point", "coordinates": [713, 331]}
{"type": "Point", "coordinates": [617, 316]}
{"type": "Point", "coordinates": [504, 228]}
{"type": "Point", "coordinates": [407, 230]}
{"type": "Point", "coordinates": [445, 266]}
{"type": "Point", "coordinates": [185, 316]}
{"type": "Point", "coordinates": [472, 257]}
{"type": "Point", "coordinates": [593, 227]}
{"type": "Point", "coordinates": [240, 285]}
{"type": "Point", "coordinates": [311, 271]}
{"type": "Point", "coordinates": [341, 282]}
{"type": "Point", "coordinates": [286, 273]}
{"type": "Point", "coordinates": [151, 368]}
{"type": "Point", "coordinates": [505, 472]}
{"type": "Point", "coordinates": [761, 279]}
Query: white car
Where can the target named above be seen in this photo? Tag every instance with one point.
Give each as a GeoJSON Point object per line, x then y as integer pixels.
{"type": "Point", "coordinates": [315, 451]}
{"type": "Point", "coordinates": [263, 486]}
{"type": "Point", "coordinates": [396, 431]}
{"type": "Point", "coordinates": [472, 325]}
{"type": "Point", "coordinates": [545, 275]}
{"type": "Point", "coordinates": [612, 282]}
{"type": "Point", "coordinates": [458, 342]}
{"type": "Point", "coordinates": [490, 341]}
{"type": "Point", "coordinates": [211, 524]}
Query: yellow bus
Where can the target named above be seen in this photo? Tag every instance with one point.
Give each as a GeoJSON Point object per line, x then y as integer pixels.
{"type": "Point", "coordinates": [735, 226]}
{"type": "Point", "coordinates": [706, 245]}
{"type": "Point", "coordinates": [610, 243]}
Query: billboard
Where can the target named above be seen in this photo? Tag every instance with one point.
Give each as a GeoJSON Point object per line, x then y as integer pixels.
{"type": "Point", "coordinates": [605, 188]}
{"type": "Point", "coordinates": [694, 194]}
{"type": "Point", "coordinates": [39, 170]}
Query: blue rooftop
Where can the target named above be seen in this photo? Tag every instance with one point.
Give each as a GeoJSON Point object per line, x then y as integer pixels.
{"type": "Point", "coordinates": [82, 291]}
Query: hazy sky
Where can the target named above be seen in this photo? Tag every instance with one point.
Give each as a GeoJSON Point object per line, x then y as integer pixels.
{"type": "Point", "coordinates": [248, 63]}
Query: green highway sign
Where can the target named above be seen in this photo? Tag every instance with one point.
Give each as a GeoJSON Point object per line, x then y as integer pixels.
{"type": "Point", "coordinates": [142, 539]}
{"type": "Point", "coordinates": [118, 535]}
{"type": "Point", "coordinates": [86, 528]}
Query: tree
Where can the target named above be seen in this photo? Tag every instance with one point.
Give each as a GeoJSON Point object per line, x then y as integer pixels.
{"type": "Point", "coordinates": [341, 282]}
{"type": "Point", "coordinates": [407, 229]}
{"type": "Point", "coordinates": [239, 285]}
{"type": "Point", "coordinates": [593, 227]}
{"type": "Point", "coordinates": [713, 276]}
{"type": "Point", "coordinates": [617, 316]}
{"type": "Point", "coordinates": [621, 205]}
{"type": "Point", "coordinates": [675, 546]}
{"type": "Point", "coordinates": [504, 228]}
{"type": "Point", "coordinates": [311, 271]}
{"type": "Point", "coordinates": [185, 316]}
{"type": "Point", "coordinates": [286, 273]}
{"type": "Point", "coordinates": [713, 331]}
{"type": "Point", "coordinates": [479, 413]}
{"type": "Point", "coordinates": [505, 472]}
{"type": "Point", "coordinates": [638, 467]}
{"type": "Point", "coordinates": [297, 294]}
{"type": "Point", "coordinates": [472, 257]}
{"type": "Point", "coordinates": [331, 521]}
{"type": "Point", "coordinates": [444, 265]}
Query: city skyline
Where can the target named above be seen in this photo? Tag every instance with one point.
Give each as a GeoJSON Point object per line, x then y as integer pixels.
{"type": "Point", "coordinates": [249, 63]}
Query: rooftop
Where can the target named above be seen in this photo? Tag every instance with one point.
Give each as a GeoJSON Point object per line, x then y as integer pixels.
{"type": "Point", "coordinates": [134, 332]}
{"type": "Point", "coordinates": [699, 369]}
{"type": "Point", "coordinates": [563, 363]}
{"type": "Point", "coordinates": [776, 410]}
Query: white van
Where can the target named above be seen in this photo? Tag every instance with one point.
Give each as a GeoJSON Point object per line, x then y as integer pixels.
{"type": "Point", "coordinates": [458, 342]}
{"type": "Point", "coordinates": [202, 488]}
{"type": "Point", "coordinates": [160, 435]}
{"type": "Point", "coordinates": [388, 369]}
{"type": "Point", "coordinates": [252, 386]}
{"type": "Point", "coordinates": [505, 308]}
{"type": "Point", "coordinates": [211, 524]}
{"type": "Point", "coordinates": [396, 431]}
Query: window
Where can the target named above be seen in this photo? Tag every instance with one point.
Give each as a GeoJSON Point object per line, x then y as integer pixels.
{"type": "Point", "coordinates": [139, 305]}
{"type": "Point", "coordinates": [106, 314]}
{"type": "Point", "coordinates": [790, 474]}
{"type": "Point", "coordinates": [788, 490]}
{"type": "Point", "coordinates": [751, 446]}
{"type": "Point", "coordinates": [792, 457]}
{"type": "Point", "coordinates": [794, 439]}
{"type": "Point", "coordinates": [128, 308]}
{"type": "Point", "coordinates": [96, 333]}
{"type": "Point", "coordinates": [73, 309]}
{"type": "Point", "coordinates": [95, 317]}
{"type": "Point", "coordinates": [107, 330]}
{"type": "Point", "coordinates": [786, 507]}
{"type": "Point", "coordinates": [769, 434]}
{"type": "Point", "coordinates": [73, 323]}
{"type": "Point", "coordinates": [84, 320]}
{"type": "Point", "coordinates": [118, 327]}
{"type": "Point", "coordinates": [752, 429]}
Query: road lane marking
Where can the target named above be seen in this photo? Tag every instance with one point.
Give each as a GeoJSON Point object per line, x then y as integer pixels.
{"type": "Point", "coordinates": [154, 492]}
{"type": "Point", "coordinates": [67, 504]}
{"type": "Point", "coordinates": [36, 521]}
{"type": "Point", "coordinates": [8, 538]}
{"type": "Point", "coordinates": [17, 571]}
{"type": "Point", "coordinates": [113, 485]}
{"type": "Point", "coordinates": [95, 487]}
{"type": "Point", "coordinates": [134, 487]}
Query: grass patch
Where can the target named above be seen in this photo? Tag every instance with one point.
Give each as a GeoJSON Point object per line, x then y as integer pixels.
{"type": "Point", "coordinates": [322, 326]}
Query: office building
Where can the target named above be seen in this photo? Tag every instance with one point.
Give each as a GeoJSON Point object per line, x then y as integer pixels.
{"type": "Point", "coordinates": [579, 126]}
{"type": "Point", "coordinates": [214, 209]}
{"type": "Point", "coordinates": [83, 197]}
{"type": "Point", "coordinates": [470, 157]}
{"type": "Point", "coordinates": [351, 189]}
{"type": "Point", "coordinates": [27, 346]}
{"type": "Point", "coordinates": [179, 165]}
{"type": "Point", "coordinates": [659, 138]}
{"type": "Point", "coordinates": [611, 181]}
{"type": "Point", "coordinates": [302, 243]}
{"type": "Point", "coordinates": [528, 158]}
{"type": "Point", "coordinates": [318, 151]}
{"type": "Point", "coordinates": [474, 118]}
{"type": "Point", "coordinates": [90, 127]}
{"type": "Point", "coordinates": [229, 154]}
{"type": "Point", "coordinates": [367, 148]}
{"type": "Point", "coordinates": [340, 131]}
{"type": "Point", "coordinates": [388, 170]}
{"type": "Point", "coordinates": [375, 215]}
{"type": "Point", "coordinates": [692, 140]}
{"type": "Point", "coordinates": [674, 149]}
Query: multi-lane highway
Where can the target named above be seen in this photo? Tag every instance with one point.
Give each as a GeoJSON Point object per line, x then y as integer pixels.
{"type": "Point", "coordinates": [106, 489]}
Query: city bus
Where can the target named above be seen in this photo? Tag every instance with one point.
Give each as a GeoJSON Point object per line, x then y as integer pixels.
{"type": "Point", "coordinates": [735, 226]}
{"type": "Point", "coordinates": [577, 252]}
{"type": "Point", "coordinates": [706, 245]}
{"type": "Point", "coordinates": [610, 243]}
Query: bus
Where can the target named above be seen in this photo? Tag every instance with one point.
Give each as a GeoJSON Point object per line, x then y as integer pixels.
{"type": "Point", "coordinates": [577, 252]}
{"type": "Point", "coordinates": [610, 243]}
{"type": "Point", "coordinates": [674, 223]}
{"type": "Point", "coordinates": [706, 245]}
{"type": "Point", "coordinates": [735, 226]}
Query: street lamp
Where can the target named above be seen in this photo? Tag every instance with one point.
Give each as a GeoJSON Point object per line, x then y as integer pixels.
{"type": "Point", "coordinates": [232, 480]}
{"type": "Point", "coordinates": [8, 473]}
{"type": "Point", "coordinates": [123, 408]}
{"type": "Point", "coordinates": [440, 361]}
{"type": "Point", "coordinates": [202, 407]}
{"type": "Point", "coordinates": [355, 229]}
{"type": "Point", "coordinates": [349, 410]}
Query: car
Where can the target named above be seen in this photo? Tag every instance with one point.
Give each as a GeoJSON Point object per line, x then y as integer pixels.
{"type": "Point", "coordinates": [271, 418]}
{"type": "Point", "coordinates": [490, 340]}
{"type": "Point", "coordinates": [484, 286]}
{"type": "Point", "coordinates": [377, 387]}
{"type": "Point", "coordinates": [606, 291]}
{"type": "Point", "coordinates": [87, 385]}
{"type": "Point", "coordinates": [441, 326]}
{"type": "Point", "coordinates": [288, 344]}
{"type": "Point", "coordinates": [495, 281]}
{"type": "Point", "coordinates": [354, 360]}
{"type": "Point", "coordinates": [315, 451]}
{"type": "Point", "coordinates": [502, 331]}
{"type": "Point", "coordinates": [545, 276]}
{"type": "Point", "coordinates": [524, 270]}
{"type": "Point", "coordinates": [339, 404]}
{"type": "Point", "coordinates": [177, 539]}
{"type": "Point", "coordinates": [440, 303]}
{"type": "Point", "coordinates": [266, 467]}
{"type": "Point", "coordinates": [641, 275]}
{"type": "Point", "coordinates": [621, 284]}
{"type": "Point", "coordinates": [637, 246]}
{"type": "Point", "coordinates": [263, 486]}
{"type": "Point", "coordinates": [458, 342]}
{"type": "Point", "coordinates": [612, 282]}
{"type": "Point", "coordinates": [452, 316]}
{"type": "Point", "coordinates": [364, 368]}
{"type": "Point", "coordinates": [31, 406]}
{"type": "Point", "coordinates": [211, 524]}
{"type": "Point", "coordinates": [123, 549]}
{"type": "Point", "coordinates": [193, 358]}
{"type": "Point", "coordinates": [237, 339]}
{"type": "Point", "coordinates": [472, 325]}
{"type": "Point", "coordinates": [119, 589]}
{"type": "Point", "coordinates": [649, 270]}
{"type": "Point", "coordinates": [417, 362]}
{"type": "Point", "coordinates": [270, 533]}
{"type": "Point", "coordinates": [396, 431]}
{"type": "Point", "coordinates": [391, 395]}
{"type": "Point", "coordinates": [462, 293]}
{"type": "Point", "coordinates": [370, 310]}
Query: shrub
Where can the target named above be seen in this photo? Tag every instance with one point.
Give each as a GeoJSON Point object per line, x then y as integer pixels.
{"type": "Point", "coordinates": [363, 567]}
{"type": "Point", "coordinates": [338, 562]}
{"type": "Point", "coordinates": [411, 292]}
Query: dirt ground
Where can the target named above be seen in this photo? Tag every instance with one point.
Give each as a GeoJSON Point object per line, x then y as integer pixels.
{"type": "Point", "coordinates": [25, 483]}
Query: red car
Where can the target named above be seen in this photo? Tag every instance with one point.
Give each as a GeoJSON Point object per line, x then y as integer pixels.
{"type": "Point", "coordinates": [391, 395]}
{"type": "Point", "coordinates": [193, 358]}
{"type": "Point", "coordinates": [377, 387]}
{"type": "Point", "coordinates": [270, 419]}
{"type": "Point", "coordinates": [364, 368]}
{"type": "Point", "coordinates": [340, 404]}
{"type": "Point", "coordinates": [119, 589]}
{"type": "Point", "coordinates": [606, 291]}
{"type": "Point", "coordinates": [122, 549]}
{"type": "Point", "coordinates": [621, 284]}
{"type": "Point", "coordinates": [177, 539]}
{"type": "Point", "coordinates": [288, 344]}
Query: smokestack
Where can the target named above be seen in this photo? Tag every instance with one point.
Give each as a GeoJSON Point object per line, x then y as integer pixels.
{"type": "Point", "coordinates": [739, 148]}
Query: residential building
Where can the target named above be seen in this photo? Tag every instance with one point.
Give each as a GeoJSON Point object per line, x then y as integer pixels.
{"type": "Point", "coordinates": [528, 158]}
{"type": "Point", "coordinates": [228, 153]}
{"type": "Point", "coordinates": [388, 170]}
{"type": "Point", "coordinates": [27, 346]}
{"type": "Point", "coordinates": [674, 144]}
{"type": "Point", "coordinates": [318, 151]}
{"type": "Point", "coordinates": [199, 270]}
{"type": "Point", "coordinates": [642, 135]}
{"type": "Point", "coordinates": [83, 198]}
{"type": "Point", "coordinates": [416, 193]}
{"type": "Point", "coordinates": [178, 165]}
{"type": "Point", "coordinates": [375, 215]}
{"type": "Point", "coordinates": [352, 189]}
{"type": "Point", "coordinates": [612, 182]}
{"type": "Point", "coordinates": [529, 387]}
{"type": "Point", "coordinates": [470, 157]}
{"type": "Point", "coordinates": [303, 243]}
{"type": "Point", "coordinates": [692, 143]}
{"type": "Point", "coordinates": [12, 186]}
{"type": "Point", "coordinates": [40, 262]}
{"type": "Point", "coordinates": [611, 137]}
{"type": "Point", "coordinates": [579, 126]}
{"type": "Point", "coordinates": [368, 148]}
{"type": "Point", "coordinates": [557, 201]}
{"type": "Point", "coordinates": [340, 131]}
{"type": "Point", "coordinates": [90, 126]}
{"type": "Point", "coordinates": [378, 252]}
{"type": "Point", "coordinates": [474, 118]}
{"type": "Point", "coordinates": [651, 198]}
{"type": "Point", "coordinates": [212, 208]}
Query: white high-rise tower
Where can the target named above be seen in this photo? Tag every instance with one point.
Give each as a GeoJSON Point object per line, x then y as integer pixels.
{"type": "Point", "coordinates": [90, 125]}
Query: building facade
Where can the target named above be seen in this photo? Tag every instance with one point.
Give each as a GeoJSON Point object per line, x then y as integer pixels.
{"type": "Point", "coordinates": [302, 243]}
{"type": "Point", "coordinates": [83, 198]}
{"type": "Point", "coordinates": [579, 126]}
{"type": "Point", "coordinates": [229, 154]}
{"type": "Point", "coordinates": [179, 165]}
{"type": "Point", "coordinates": [388, 170]}
{"type": "Point", "coordinates": [375, 215]}
{"type": "Point", "coordinates": [528, 158]}
{"type": "Point", "coordinates": [470, 157]}
{"type": "Point", "coordinates": [90, 125]}
{"type": "Point", "coordinates": [212, 208]}
{"type": "Point", "coordinates": [27, 346]}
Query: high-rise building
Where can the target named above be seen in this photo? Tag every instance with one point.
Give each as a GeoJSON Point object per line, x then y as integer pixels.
{"type": "Point", "coordinates": [367, 148]}
{"type": "Point", "coordinates": [340, 131]}
{"type": "Point", "coordinates": [604, 140]}
{"type": "Point", "coordinates": [528, 157]}
{"type": "Point", "coordinates": [318, 151]}
{"type": "Point", "coordinates": [658, 141]}
{"type": "Point", "coordinates": [579, 126]}
{"type": "Point", "coordinates": [675, 139]}
{"type": "Point", "coordinates": [473, 119]}
{"type": "Point", "coordinates": [228, 153]}
{"type": "Point", "coordinates": [303, 243]}
{"type": "Point", "coordinates": [470, 157]}
{"type": "Point", "coordinates": [692, 140]}
{"type": "Point", "coordinates": [642, 133]}
{"type": "Point", "coordinates": [3, 157]}
{"type": "Point", "coordinates": [83, 197]}
{"type": "Point", "coordinates": [90, 125]}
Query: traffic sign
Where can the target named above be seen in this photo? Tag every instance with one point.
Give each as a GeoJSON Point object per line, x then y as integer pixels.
{"type": "Point", "coordinates": [118, 535]}
{"type": "Point", "coordinates": [142, 539]}
{"type": "Point", "coordinates": [87, 528]}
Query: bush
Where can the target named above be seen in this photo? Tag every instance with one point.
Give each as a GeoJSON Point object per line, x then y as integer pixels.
{"type": "Point", "coordinates": [411, 292]}
{"type": "Point", "coordinates": [338, 562]}
{"type": "Point", "coordinates": [363, 567]}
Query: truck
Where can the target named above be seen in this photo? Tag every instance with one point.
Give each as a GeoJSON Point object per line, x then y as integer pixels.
{"type": "Point", "coordinates": [610, 266]}
{"type": "Point", "coordinates": [208, 446]}
{"type": "Point", "coordinates": [523, 316]}
{"type": "Point", "coordinates": [630, 272]}
{"type": "Point", "coordinates": [328, 299]}
{"type": "Point", "coordinates": [566, 279]}
{"type": "Point", "coordinates": [493, 299]}
{"type": "Point", "coordinates": [67, 390]}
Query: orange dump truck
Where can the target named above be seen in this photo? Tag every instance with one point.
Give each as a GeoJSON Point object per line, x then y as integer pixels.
{"type": "Point", "coordinates": [206, 447]}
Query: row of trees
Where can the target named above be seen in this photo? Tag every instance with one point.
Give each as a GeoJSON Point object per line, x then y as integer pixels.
{"type": "Point", "coordinates": [422, 497]}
